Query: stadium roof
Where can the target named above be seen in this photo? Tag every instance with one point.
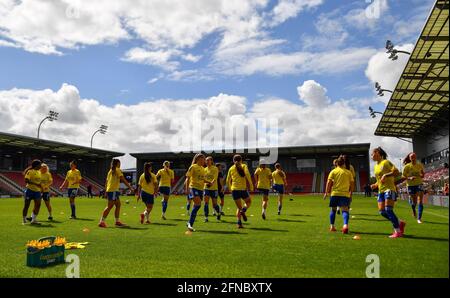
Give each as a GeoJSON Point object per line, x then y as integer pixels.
{"type": "Point", "coordinates": [54, 147]}
{"type": "Point", "coordinates": [290, 151]}
{"type": "Point", "coordinates": [419, 104]}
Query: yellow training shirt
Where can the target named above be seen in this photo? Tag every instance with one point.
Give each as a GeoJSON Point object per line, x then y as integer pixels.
{"type": "Point", "coordinates": [381, 168]}
{"type": "Point", "coordinates": [411, 170]}
{"type": "Point", "coordinates": [148, 187]}
{"type": "Point", "coordinates": [196, 176]}
{"type": "Point", "coordinates": [73, 178]}
{"type": "Point", "coordinates": [34, 176]}
{"type": "Point", "coordinates": [342, 181]}
{"type": "Point", "coordinates": [113, 180]}
{"type": "Point", "coordinates": [264, 177]}
{"type": "Point", "coordinates": [237, 181]}
{"type": "Point", "coordinates": [212, 173]}
{"type": "Point", "coordinates": [165, 177]}
{"type": "Point", "coordinates": [46, 181]}
{"type": "Point", "coordinates": [277, 178]}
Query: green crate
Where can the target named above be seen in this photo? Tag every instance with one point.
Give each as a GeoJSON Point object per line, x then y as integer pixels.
{"type": "Point", "coordinates": [45, 257]}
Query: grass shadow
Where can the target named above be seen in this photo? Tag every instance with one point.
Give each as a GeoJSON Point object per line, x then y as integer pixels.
{"type": "Point", "coordinates": [304, 215]}
{"type": "Point", "coordinates": [436, 223]}
{"type": "Point", "coordinates": [365, 214]}
{"type": "Point", "coordinates": [42, 226]}
{"type": "Point", "coordinates": [289, 220]}
{"type": "Point", "coordinates": [221, 232]}
{"type": "Point", "coordinates": [368, 219]}
{"type": "Point", "coordinates": [425, 238]}
{"type": "Point", "coordinates": [82, 219]}
{"type": "Point", "coordinates": [132, 228]}
{"type": "Point", "coordinates": [370, 233]}
{"type": "Point", "coordinates": [54, 221]}
{"type": "Point", "coordinates": [163, 224]}
{"type": "Point", "coordinates": [268, 230]}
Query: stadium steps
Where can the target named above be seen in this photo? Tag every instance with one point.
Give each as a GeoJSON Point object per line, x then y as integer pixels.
{"type": "Point", "coordinates": [94, 183]}
{"type": "Point", "coordinates": [305, 180]}
{"type": "Point", "coordinates": [178, 187]}
{"type": "Point", "coordinates": [10, 186]}
{"type": "Point", "coordinates": [61, 178]}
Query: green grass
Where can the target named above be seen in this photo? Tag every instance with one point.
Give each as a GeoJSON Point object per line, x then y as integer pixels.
{"type": "Point", "coordinates": [295, 244]}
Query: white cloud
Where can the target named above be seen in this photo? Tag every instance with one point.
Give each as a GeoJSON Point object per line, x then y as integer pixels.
{"type": "Point", "coordinates": [328, 62]}
{"type": "Point", "coordinates": [286, 9]}
{"type": "Point", "coordinates": [385, 71]}
{"type": "Point", "coordinates": [368, 17]}
{"type": "Point", "coordinates": [160, 58]}
{"type": "Point", "coordinates": [313, 94]}
{"type": "Point", "coordinates": [146, 127]}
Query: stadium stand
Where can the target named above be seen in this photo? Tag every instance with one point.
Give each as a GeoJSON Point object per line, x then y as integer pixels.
{"type": "Point", "coordinates": [17, 152]}
{"type": "Point", "coordinates": [419, 106]}
{"type": "Point", "coordinates": [306, 166]}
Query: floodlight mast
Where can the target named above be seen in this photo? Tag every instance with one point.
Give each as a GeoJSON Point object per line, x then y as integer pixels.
{"type": "Point", "coordinates": [52, 116]}
{"type": "Point", "coordinates": [373, 113]}
{"type": "Point", "coordinates": [393, 51]}
{"type": "Point", "coordinates": [103, 129]}
{"type": "Point", "coordinates": [381, 90]}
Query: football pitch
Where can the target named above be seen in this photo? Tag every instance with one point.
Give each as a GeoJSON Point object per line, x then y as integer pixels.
{"type": "Point", "coordinates": [294, 244]}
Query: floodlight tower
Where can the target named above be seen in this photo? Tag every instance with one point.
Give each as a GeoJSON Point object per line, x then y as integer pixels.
{"type": "Point", "coordinates": [52, 116]}
{"type": "Point", "coordinates": [394, 52]}
{"type": "Point", "coordinates": [103, 129]}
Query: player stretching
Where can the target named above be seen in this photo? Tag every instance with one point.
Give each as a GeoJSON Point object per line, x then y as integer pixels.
{"type": "Point", "coordinates": [166, 177]}
{"type": "Point", "coordinates": [237, 179]}
{"type": "Point", "coordinates": [32, 191]}
{"type": "Point", "coordinates": [72, 181]}
{"type": "Point", "coordinates": [195, 180]}
{"type": "Point", "coordinates": [113, 179]}
{"type": "Point", "coordinates": [46, 182]}
{"type": "Point", "coordinates": [263, 178]}
{"type": "Point", "coordinates": [340, 185]}
{"type": "Point", "coordinates": [385, 173]}
{"type": "Point", "coordinates": [148, 186]}
{"type": "Point", "coordinates": [279, 184]}
{"type": "Point", "coordinates": [413, 173]}
{"type": "Point", "coordinates": [211, 187]}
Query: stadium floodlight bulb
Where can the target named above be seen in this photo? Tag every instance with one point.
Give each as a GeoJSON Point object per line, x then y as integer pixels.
{"type": "Point", "coordinates": [380, 93]}
{"type": "Point", "coordinates": [389, 46]}
{"type": "Point", "coordinates": [377, 86]}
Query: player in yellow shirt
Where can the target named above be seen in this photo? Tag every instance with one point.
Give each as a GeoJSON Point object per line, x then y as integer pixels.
{"type": "Point", "coordinates": [263, 180]}
{"type": "Point", "coordinates": [46, 182]}
{"type": "Point", "coordinates": [211, 187]}
{"type": "Point", "coordinates": [413, 173]}
{"type": "Point", "coordinates": [385, 173]}
{"type": "Point", "coordinates": [166, 177]}
{"type": "Point", "coordinates": [147, 187]}
{"type": "Point", "coordinates": [72, 181]}
{"type": "Point", "coordinates": [240, 181]}
{"type": "Point", "coordinates": [279, 184]}
{"type": "Point", "coordinates": [220, 188]}
{"type": "Point", "coordinates": [194, 183]}
{"type": "Point", "coordinates": [112, 192]}
{"type": "Point", "coordinates": [33, 191]}
{"type": "Point", "coordinates": [340, 185]}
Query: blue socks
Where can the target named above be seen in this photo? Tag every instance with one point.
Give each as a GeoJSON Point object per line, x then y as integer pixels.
{"type": "Point", "coordinates": [164, 206]}
{"type": "Point", "coordinates": [414, 209]}
{"type": "Point", "coordinates": [188, 205]}
{"type": "Point", "coordinates": [243, 210]}
{"type": "Point", "coordinates": [346, 216]}
{"type": "Point", "coordinates": [193, 215]}
{"type": "Point", "coordinates": [72, 207]}
{"type": "Point", "coordinates": [392, 217]}
{"type": "Point", "coordinates": [206, 209]}
{"type": "Point", "coordinates": [217, 208]}
{"type": "Point", "coordinates": [332, 216]}
{"type": "Point", "coordinates": [279, 207]}
{"type": "Point", "coordinates": [420, 211]}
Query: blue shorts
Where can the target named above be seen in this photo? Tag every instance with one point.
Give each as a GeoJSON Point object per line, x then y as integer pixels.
{"type": "Point", "coordinates": [412, 190]}
{"type": "Point", "coordinates": [387, 195]}
{"type": "Point", "coordinates": [263, 191]}
{"type": "Point", "coordinates": [337, 201]}
{"type": "Point", "coordinates": [164, 190]}
{"type": "Point", "coordinates": [210, 193]}
{"type": "Point", "coordinates": [147, 198]}
{"type": "Point", "coordinates": [32, 195]}
{"type": "Point", "coordinates": [239, 194]}
{"type": "Point", "coordinates": [112, 195]}
{"type": "Point", "coordinates": [279, 188]}
{"type": "Point", "coordinates": [46, 196]}
{"type": "Point", "coordinates": [196, 193]}
{"type": "Point", "coordinates": [72, 192]}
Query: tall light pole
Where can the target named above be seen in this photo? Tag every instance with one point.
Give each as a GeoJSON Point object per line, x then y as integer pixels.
{"type": "Point", "coordinates": [52, 116]}
{"type": "Point", "coordinates": [102, 130]}
{"type": "Point", "coordinates": [373, 113]}
{"type": "Point", "coordinates": [381, 90]}
{"type": "Point", "coordinates": [393, 52]}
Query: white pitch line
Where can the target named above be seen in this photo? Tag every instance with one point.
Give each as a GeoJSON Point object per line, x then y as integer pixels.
{"type": "Point", "coordinates": [435, 214]}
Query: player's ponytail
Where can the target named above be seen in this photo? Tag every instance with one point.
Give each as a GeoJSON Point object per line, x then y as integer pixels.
{"type": "Point", "coordinates": [382, 153]}
{"type": "Point", "coordinates": [340, 162]}
{"type": "Point", "coordinates": [237, 159]}
{"type": "Point", "coordinates": [114, 165]}
{"type": "Point", "coordinates": [196, 158]}
{"type": "Point", "coordinates": [407, 159]}
{"type": "Point", "coordinates": [280, 170]}
{"type": "Point", "coordinates": [34, 165]}
{"type": "Point", "coordinates": [346, 161]}
{"type": "Point", "coordinates": [147, 170]}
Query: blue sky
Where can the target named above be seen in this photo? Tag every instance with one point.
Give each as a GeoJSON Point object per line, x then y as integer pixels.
{"type": "Point", "coordinates": [298, 56]}
{"type": "Point", "coordinates": [99, 72]}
